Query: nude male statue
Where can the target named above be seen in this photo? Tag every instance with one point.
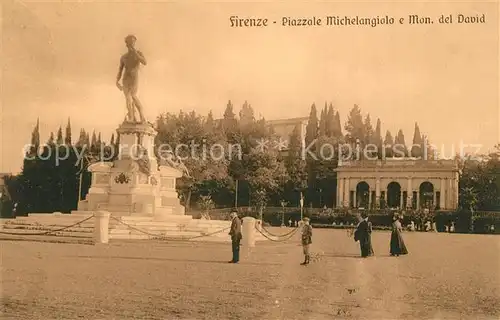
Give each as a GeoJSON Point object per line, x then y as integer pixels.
{"type": "Point", "coordinates": [129, 67]}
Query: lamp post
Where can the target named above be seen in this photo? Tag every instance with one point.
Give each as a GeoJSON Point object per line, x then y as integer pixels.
{"type": "Point", "coordinates": [301, 206]}
{"type": "Point", "coordinates": [320, 197]}
{"type": "Point", "coordinates": [283, 204]}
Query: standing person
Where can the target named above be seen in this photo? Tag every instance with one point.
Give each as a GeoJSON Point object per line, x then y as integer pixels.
{"type": "Point", "coordinates": [397, 244]}
{"type": "Point", "coordinates": [306, 240]}
{"type": "Point", "coordinates": [235, 233]}
{"type": "Point", "coordinates": [363, 234]}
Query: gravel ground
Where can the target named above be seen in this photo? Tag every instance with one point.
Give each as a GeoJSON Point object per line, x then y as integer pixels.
{"type": "Point", "coordinates": [445, 277]}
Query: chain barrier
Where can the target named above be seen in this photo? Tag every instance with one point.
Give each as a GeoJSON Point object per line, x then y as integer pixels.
{"type": "Point", "coordinates": [290, 235]}
{"type": "Point", "coordinates": [279, 235]}
{"type": "Point", "coordinates": [162, 237]}
{"type": "Point", "coordinates": [47, 232]}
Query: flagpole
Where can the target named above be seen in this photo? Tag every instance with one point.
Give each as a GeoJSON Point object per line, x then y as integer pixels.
{"type": "Point", "coordinates": [236, 195]}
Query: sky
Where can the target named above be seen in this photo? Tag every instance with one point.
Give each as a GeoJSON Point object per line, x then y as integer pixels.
{"type": "Point", "coordinates": [60, 59]}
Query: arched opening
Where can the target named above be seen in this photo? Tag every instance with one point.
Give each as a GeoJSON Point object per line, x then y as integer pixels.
{"type": "Point", "coordinates": [363, 195]}
{"type": "Point", "coordinates": [393, 195]}
{"type": "Point", "coordinates": [426, 193]}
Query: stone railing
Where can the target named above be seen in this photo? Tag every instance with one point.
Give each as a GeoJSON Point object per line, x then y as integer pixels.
{"type": "Point", "coordinates": [397, 162]}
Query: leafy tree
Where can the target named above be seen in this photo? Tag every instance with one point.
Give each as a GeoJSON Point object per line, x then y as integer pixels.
{"type": "Point", "coordinates": [295, 166]}
{"type": "Point", "coordinates": [206, 163]}
{"type": "Point", "coordinates": [355, 128]}
{"type": "Point", "coordinates": [264, 172]}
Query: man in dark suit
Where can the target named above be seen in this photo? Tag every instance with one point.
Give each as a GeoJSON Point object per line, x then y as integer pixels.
{"type": "Point", "coordinates": [363, 234]}
{"type": "Point", "coordinates": [235, 233]}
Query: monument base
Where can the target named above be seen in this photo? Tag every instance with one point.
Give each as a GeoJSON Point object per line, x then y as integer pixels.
{"type": "Point", "coordinates": [134, 184]}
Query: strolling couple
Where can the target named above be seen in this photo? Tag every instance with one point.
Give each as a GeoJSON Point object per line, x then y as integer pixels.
{"type": "Point", "coordinates": [363, 234]}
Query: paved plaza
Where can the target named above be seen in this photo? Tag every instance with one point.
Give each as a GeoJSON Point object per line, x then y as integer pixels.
{"type": "Point", "coordinates": [446, 276]}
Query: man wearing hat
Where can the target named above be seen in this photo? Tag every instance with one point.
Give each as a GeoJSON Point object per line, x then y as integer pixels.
{"type": "Point", "coordinates": [235, 233]}
{"type": "Point", "coordinates": [306, 240]}
{"type": "Point", "coordinates": [363, 234]}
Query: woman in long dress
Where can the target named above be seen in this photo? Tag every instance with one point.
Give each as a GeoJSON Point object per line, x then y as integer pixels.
{"type": "Point", "coordinates": [397, 244]}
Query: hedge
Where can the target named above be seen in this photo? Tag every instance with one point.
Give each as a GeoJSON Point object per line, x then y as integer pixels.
{"type": "Point", "coordinates": [464, 221]}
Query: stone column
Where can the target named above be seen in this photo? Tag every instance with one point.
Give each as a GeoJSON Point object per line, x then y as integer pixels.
{"type": "Point", "coordinates": [401, 199]}
{"type": "Point", "coordinates": [418, 199]}
{"type": "Point", "coordinates": [409, 194]}
{"type": "Point", "coordinates": [369, 198]}
{"type": "Point", "coordinates": [248, 232]}
{"type": "Point", "coordinates": [347, 193]}
{"type": "Point", "coordinates": [434, 199]}
{"type": "Point", "coordinates": [455, 194]}
{"type": "Point", "coordinates": [340, 196]}
{"type": "Point", "coordinates": [450, 197]}
{"type": "Point", "coordinates": [101, 227]}
{"type": "Point", "coordinates": [337, 194]}
{"type": "Point", "coordinates": [442, 199]}
{"type": "Point", "coordinates": [377, 192]}
{"type": "Point", "coordinates": [355, 200]}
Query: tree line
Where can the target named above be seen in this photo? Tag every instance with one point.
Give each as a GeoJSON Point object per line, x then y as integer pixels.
{"type": "Point", "coordinates": [256, 177]}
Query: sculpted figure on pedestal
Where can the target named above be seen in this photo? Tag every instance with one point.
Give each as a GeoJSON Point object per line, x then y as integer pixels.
{"type": "Point", "coordinates": [128, 73]}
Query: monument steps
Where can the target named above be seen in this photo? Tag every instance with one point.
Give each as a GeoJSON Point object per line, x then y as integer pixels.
{"type": "Point", "coordinates": [26, 229]}
{"type": "Point", "coordinates": [132, 228]}
{"type": "Point", "coordinates": [152, 234]}
{"type": "Point", "coordinates": [129, 237]}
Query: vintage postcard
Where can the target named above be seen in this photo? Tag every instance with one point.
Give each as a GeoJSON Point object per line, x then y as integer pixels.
{"type": "Point", "coordinates": [249, 159]}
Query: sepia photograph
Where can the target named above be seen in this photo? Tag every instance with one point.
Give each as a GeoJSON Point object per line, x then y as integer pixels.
{"type": "Point", "coordinates": [249, 159]}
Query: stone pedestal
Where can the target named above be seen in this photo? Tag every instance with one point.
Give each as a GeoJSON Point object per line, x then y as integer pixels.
{"type": "Point", "coordinates": [101, 226]}
{"type": "Point", "coordinates": [134, 184]}
{"type": "Point", "coordinates": [248, 232]}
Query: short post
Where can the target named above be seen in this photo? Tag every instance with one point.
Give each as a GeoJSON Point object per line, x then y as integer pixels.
{"type": "Point", "coordinates": [248, 232]}
{"type": "Point", "coordinates": [101, 225]}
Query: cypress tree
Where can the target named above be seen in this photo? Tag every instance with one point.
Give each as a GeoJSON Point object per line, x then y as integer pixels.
{"type": "Point", "coordinates": [60, 139]}
{"type": "Point", "coordinates": [330, 121]}
{"type": "Point", "coordinates": [67, 139]}
{"type": "Point", "coordinates": [322, 123]}
{"type": "Point", "coordinates": [388, 144]}
{"type": "Point", "coordinates": [337, 131]}
{"type": "Point", "coordinates": [312, 126]}
{"type": "Point", "coordinates": [417, 144]}
{"type": "Point", "coordinates": [378, 138]}
{"type": "Point", "coordinates": [35, 138]}
{"type": "Point", "coordinates": [400, 148]}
